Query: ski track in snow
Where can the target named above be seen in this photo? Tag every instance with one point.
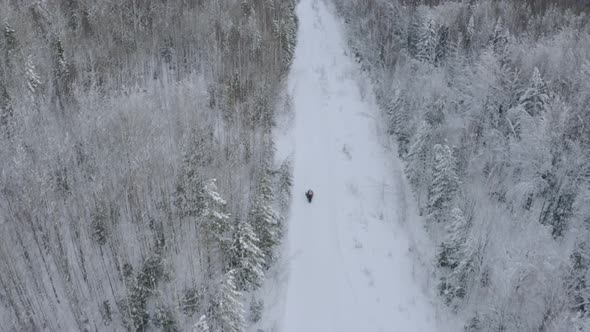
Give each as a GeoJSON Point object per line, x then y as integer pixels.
{"type": "Point", "coordinates": [348, 260]}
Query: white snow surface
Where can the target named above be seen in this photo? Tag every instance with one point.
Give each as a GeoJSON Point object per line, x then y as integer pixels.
{"type": "Point", "coordinates": [350, 258]}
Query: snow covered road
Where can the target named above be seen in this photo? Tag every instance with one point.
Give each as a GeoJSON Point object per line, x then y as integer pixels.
{"type": "Point", "coordinates": [348, 261]}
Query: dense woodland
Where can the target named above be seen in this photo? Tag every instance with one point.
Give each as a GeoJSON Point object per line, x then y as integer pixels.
{"type": "Point", "coordinates": [488, 101]}
{"type": "Point", "coordinates": [138, 188]}
{"type": "Point", "coordinates": [139, 191]}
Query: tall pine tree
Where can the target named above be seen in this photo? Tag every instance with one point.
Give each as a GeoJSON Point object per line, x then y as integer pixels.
{"type": "Point", "coordinates": [216, 228]}
{"type": "Point", "coordinates": [228, 313]}
{"type": "Point", "coordinates": [456, 257]}
{"type": "Point", "coordinates": [535, 98]}
{"type": "Point", "coordinates": [428, 40]}
{"type": "Point", "coordinates": [263, 218]}
{"type": "Point", "coordinates": [33, 79]}
{"type": "Point", "coordinates": [189, 189]}
{"type": "Point", "coordinates": [500, 38]}
{"type": "Point", "coordinates": [246, 258]}
{"type": "Point", "coordinates": [444, 184]}
{"type": "Point", "coordinates": [418, 159]}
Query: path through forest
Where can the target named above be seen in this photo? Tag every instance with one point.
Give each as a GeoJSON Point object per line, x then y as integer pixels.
{"type": "Point", "coordinates": [348, 261]}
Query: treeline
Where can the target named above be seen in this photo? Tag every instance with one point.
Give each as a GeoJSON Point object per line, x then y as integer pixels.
{"type": "Point", "coordinates": [488, 101]}
{"type": "Point", "coordinates": [533, 6]}
{"type": "Point", "coordinates": [115, 120]}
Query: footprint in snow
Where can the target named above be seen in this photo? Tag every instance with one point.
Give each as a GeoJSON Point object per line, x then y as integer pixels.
{"type": "Point", "coordinates": [352, 188]}
{"type": "Point", "coordinates": [378, 216]}
{"type": "Point", "coordinates": [369, 275]}
{"type": "Point", "coordinates": [358, 244]}
{"type": "Point", "coordinates": [346, 152]}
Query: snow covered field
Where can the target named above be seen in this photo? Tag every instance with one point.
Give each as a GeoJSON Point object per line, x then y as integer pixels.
{"type": "Point", "coordinates": [348, 261]}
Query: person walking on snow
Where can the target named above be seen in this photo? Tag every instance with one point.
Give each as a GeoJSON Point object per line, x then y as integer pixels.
{"type": "Point", "coordinates": [309, 195]}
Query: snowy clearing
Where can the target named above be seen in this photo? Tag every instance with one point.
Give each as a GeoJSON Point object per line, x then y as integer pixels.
{"type": "Point", "coordinates": [348, 257]}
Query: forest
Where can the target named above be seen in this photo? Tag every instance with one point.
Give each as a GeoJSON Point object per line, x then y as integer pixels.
{"type": "Point", "coordinates": [138, 189]}
{"type": "Point", "coordinates": [488, 101]}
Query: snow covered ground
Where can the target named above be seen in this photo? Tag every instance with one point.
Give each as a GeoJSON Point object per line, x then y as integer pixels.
{"type": "Point", "coordinates": [348, 262]}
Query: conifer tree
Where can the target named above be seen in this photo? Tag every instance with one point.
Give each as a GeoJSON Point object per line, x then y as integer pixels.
{"type": "Point", "coordinates": [246, 258]}
{"type": "Point", "coordinates": [61, 65]}
{"type": "Point", "coordinates": [6, 110]}
{"type": "Point", "coordinates": [470, 33]}
{"type": "Point", "coordinates": [33, 79]}
{"type": "Point", "coordinates": [418, 158]}
{"type": "Point", "coordinates": [189, 194]}
{"type": "Point", "coordinates": [442, 46]}
{"type": "Point", "coordinates": [535, 98]}
{"type": "Point", "coordinates": [578, 278]}
{"type": "Point", "coordinates": [428, 40]}
{"type": "Point", "coordinates": [264, 219]}
{"type": "Point", "coordinates": [285, 182]}
{"type": "Point", "coordinates": [216, 229]}
{"type": "Point", "coordinates": [444, 183]}
{"type": "Point", "coordinates": [285, 30]}
{"type": "Point", "coordinates": [228, 310]}
{"type": "Point", "coordinates": [413, 38]}
{"type": "Point", "coordinates": [11, 42]}
{"type": "Point", "coordinates": [500, 38]}
{"type": "Point", "coordinates": [399, 116]}
{"type": "Point", "coordinates": [201, 325]}
{"type": "Point", "coordinates": [456, 232]}
{"type": "Point", "coordinates": [456, 256]}
{"type": "Point", "coordinates": [216, 220]}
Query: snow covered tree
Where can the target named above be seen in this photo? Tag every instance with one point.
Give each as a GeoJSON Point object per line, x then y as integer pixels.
{"type": "Point", "coordinates": [469, 36]}
{"type": "Point", "coordinates": [413, 38]}
{"type": "Point", "coordinates": [61, 72]}
{"type": "Point", "coordinates": [61, 65]}
{"type": "Point", "coordinates": [558, 208]}
{"type": "Point", "coordinates": [164, 319]}
{"type": "Point", "coordinates": [456, 257]}
{"type": "Point", "coordinates": [399, 115]}
{"type": "Point", "coordinates": [578, 288]}
{"type": "Point", "coordinates": [285, 182]}
{"type": "Point", "coordinates": [197, 155]}
{"type": "Point", "coordinates": [228, 311]}
{"type": "Point", "coordinates": [201, 325]}
{"type": "Point", "coordinates": [455, 231]}
{"type": "Point", "coordinates": [246, 259]}
{"type": "Point", "coordinates": [6, 110]}
{"type": "Point", "coordinates": [216, 219]}
{"type": "Point", "coordinates": [418, 159]}
{"type": "Point", "coordinates": [264, 219]}
{"type": "Point", "coordinates": [535, 98]}
{"type": "Point", "coordinates": [500, 38]}
{"type": "Point", "coordinates": [442, 46]}
{"type": "Point", "coordinates": [10, 41]}
{"type": "Point", "coordinates": [256, 310]}
{"type": "Point", "coordinates": [427, 41]}
{"type": "Point", "coordinates": [216, 226]}
{"type": "Point", "coordinates": [70, 11]}
{"type": "Point", "coordinates": [33, 79]}
{"type": "Point", "coordinates": [444, 184]}
{"type": "Point", "coordinates": [285, 30]}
